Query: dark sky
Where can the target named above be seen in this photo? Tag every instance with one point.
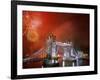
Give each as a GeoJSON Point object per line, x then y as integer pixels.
{"type": "Point", "coordinates": [66, 26]}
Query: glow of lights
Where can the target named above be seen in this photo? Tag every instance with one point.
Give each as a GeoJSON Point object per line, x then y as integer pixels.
{"type": "Point", "coordinates": [32, 36]}
{"type": "Point", "coordinates": [58, 55]}
{"type": "Point", "coordinates": [36, 22]}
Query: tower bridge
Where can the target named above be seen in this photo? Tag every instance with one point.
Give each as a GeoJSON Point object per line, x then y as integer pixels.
{"type": "Point", "coordinates": [52, 48]}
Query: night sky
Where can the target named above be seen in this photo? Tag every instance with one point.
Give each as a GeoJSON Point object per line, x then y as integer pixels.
{"type": "Point", "coordinates": [66, 26]}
